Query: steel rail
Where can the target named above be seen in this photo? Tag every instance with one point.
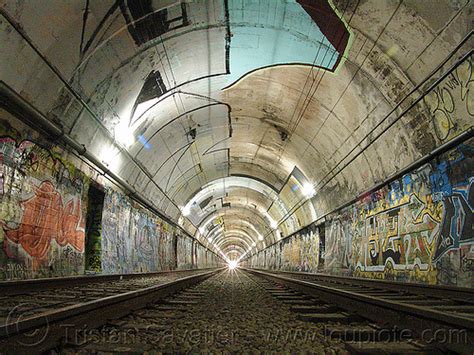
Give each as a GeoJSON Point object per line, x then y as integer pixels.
{"type": "Point", "coordinates": [375, 308]}
{"type": "Point", "coordinates": [12, 287]}
{"type": "Point", "coordinates": [463, 293]}
{"type": "Point", "coordinates": [87, 315]}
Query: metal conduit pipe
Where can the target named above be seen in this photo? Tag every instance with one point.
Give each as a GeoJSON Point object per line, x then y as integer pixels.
{"type": "Point", "coordinates": [12, 102]}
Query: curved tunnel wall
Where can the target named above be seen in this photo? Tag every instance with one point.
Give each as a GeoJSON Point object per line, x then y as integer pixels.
{"type": "Point", "coordinates": [44, 210]}
{"type": "Point", "coordinates": [173, 96]}
{"type": "Point", "coordinates": [419, 228]}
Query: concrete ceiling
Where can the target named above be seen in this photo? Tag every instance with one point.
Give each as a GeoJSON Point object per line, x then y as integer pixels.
{"type": "Point", "coordinates": [229, 114]}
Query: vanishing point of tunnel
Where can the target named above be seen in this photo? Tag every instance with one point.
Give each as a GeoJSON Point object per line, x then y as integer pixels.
{"type": "Point", "coordinates": [237, 167]}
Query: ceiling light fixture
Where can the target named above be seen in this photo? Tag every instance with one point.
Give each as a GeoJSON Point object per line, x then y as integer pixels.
{"type": "Point", "coordinates": [308, 190]}
{"type": "Point", "coordinates": [109, 154]}
{"type": "Point", "coordinates": [186, 210]}
{"type": "Point", "coordinates": [124, 134]}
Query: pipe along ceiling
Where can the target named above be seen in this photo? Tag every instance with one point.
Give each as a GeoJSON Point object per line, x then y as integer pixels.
{"type": "Point", "coordinates": [242, 121]}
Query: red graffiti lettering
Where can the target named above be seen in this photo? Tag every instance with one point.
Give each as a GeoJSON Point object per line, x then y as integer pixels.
{"type": "Point", "coordinates": [44, 219]}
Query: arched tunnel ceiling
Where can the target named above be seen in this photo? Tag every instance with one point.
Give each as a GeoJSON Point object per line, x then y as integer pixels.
{"type": "Point", "coordinates": [226, 114]}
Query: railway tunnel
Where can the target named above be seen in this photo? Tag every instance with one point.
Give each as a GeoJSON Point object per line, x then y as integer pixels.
{"type": "Point", "coordinates": [236, 176]}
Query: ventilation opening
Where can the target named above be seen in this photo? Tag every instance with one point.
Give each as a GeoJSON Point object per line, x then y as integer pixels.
{"type": "Point", "coordinates": [322, 246]}
{"type": "Point", "coordinates": [175, 248]}
{"type": "Point", "coordinates": [93, 247]}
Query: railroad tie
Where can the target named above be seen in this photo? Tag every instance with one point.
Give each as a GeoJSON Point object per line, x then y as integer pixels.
{"type": "Point", "coordinates": [399, 347]}
{"type": "Point", "coordinates": [340, 317]}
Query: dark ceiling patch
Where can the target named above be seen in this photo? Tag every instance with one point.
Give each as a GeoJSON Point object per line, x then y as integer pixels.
{"type": "Point", "coordinates": [205, 202]}
{"type": "Point", "coordinates": [328, 22]}
{"type": "Point", "coordinates": [145, 23]}
{"type": "Point", "coordinates": [152, 88]}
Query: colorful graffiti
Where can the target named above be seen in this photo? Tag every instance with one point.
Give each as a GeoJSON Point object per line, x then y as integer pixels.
{"type": "Point", "coordinates": [417, 229]}
{"type": "Point", "coordinates": [299, 252]}
{"type": "Point", "coordinates": [44, 202]}
{"type": "Point", "coordinates": [130, 236]}
{"type": "Point", "coordinates": [135, 240]}
{"type": "Point", "coordinates": [42, 212]}
{"type": "Point", "coordinates": [45, 219]}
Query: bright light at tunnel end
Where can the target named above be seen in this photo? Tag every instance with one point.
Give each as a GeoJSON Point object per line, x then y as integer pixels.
{"type": "Point", "coordinates": [232, 264]}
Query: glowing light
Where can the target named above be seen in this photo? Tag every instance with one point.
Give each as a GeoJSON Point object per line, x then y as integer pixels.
{"type": "Point", "coordinates": [209, 240]}
{"type": "Point", "coordinates": [186, 210]}
{"type": "Point", "coordinates": [108, 154]}
{"type": "Point", "coordinates": [273, 224]}
{"type": "Point", "coordinates": [124, 134]}
{"type": "Point", "coordinates": [254, 244]}
{"type": "Point", "coordinates": [308, 190]}
{"type": "Point", "coordinates": [260, 237]}
{"type": "Point", "coordinates": [201, 230]}
{"type": "Point", "coordinates": [392, 50]}
{"type": "Point", "coordinates": [144, 141]}
{"type": "Point", "coordinates": [232, 264]}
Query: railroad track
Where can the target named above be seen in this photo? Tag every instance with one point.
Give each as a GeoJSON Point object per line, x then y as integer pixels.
{"type": "Point", "coordinates": [380, 317]}
{"type": "Point", "coordinates": [247, 310]}
{"type": "Point", "coordinates": [449, 292]}
{"type": "Point", "coordinates": [231, 312]}
{"type": "Point", "coordinates": [37, 314]}
{"type": "Point", "coordinates": [40, 295]}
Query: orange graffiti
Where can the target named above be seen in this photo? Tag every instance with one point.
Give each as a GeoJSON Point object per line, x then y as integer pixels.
{"type": "Point", "coordinates": [73, 226]}
{"type": "Point", "coordinates": [44, 219]}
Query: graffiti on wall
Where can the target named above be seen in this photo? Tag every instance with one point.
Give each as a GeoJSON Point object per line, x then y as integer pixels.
{"type": "Point", "coordinates": [300, 252]}
{"type": "Point", "coordinates": [135, 240]}
{"type": "Point", "coordinates": [42, 212]}
{"type": "Point", "coordinates": [451, 104]}
{"type": "Point", "coordinates": [338, 244]}
{"type": "Point", "coordinates": [419, 228]}
{"type": "Point", "coordinates": [45, 219]}
{"type": "Point", "coordinates": [184, 252]}
{"type": "Point", "coordinates": [201, 256]}
{"type": "Point", "coordinates": [145, 239]}
{"type": "Point", "coordinates": [274, 257]}
{"type": "Point", "coordinates": [205, 258]}
{"type": "Point", "coordinates": [125, 236]}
